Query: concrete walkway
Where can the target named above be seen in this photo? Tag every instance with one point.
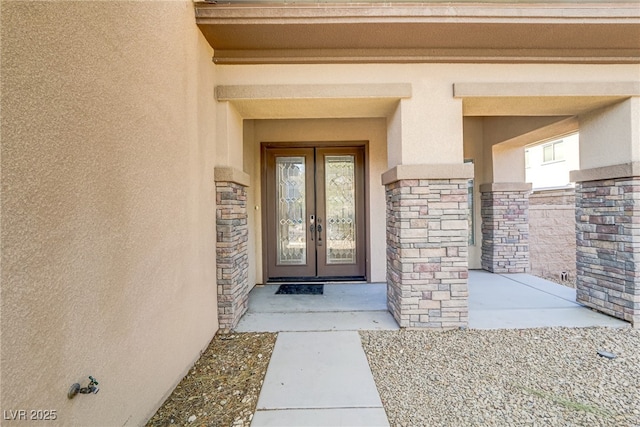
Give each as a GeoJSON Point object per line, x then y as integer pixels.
{"type": "Point", "coordinates": [319, 379]}
{"type": "Point", "coordinates": [519, 301]}
{"type": "Point", "coordinates": [319, 375]}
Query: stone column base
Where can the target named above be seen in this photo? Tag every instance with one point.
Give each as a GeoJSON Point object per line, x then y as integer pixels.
{"type": "Point", "coordinates": [505, 227]}
{"type": "Point", "coordinates": [427, 249]}
{"type": "Point", "coordinates": [232, 259]}
{"type": "Point", "coordinates": [608, 246]}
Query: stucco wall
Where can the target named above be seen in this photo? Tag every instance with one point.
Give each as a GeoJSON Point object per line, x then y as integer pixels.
{"type": "Point", "coordinates": [552, 233]}
{"type": "Point", "coordinates": [619, 126]}
{"type": "Point", "coordinates": [108, 216]}
{"type": "Point", "coordinates": [428, 127]}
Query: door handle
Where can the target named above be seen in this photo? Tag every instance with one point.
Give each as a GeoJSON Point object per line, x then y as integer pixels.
{"type": "Point", "coordinates": [312, 228]}
{"type": "Point", "coordinates": [319, 228]}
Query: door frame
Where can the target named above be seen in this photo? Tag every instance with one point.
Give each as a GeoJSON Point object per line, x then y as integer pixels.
{"type": "Point", "coordinates": [264, 146]}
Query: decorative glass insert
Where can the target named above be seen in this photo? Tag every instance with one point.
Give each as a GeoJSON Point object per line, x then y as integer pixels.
{"type": "Point", "coordinates": [340, 193]}
{"type": "Point", "coordinates": [291, 202]}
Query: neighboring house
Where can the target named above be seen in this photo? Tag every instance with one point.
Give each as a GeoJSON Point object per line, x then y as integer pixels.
{"type": "Point", "coordinates": [548, 164]}
{"type": "Point", "coordinates": [159, 159]}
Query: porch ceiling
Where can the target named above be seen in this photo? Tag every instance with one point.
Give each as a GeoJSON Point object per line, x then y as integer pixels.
{"type": "Point", "coordinates": [421, 32]}
{"type": "Point", "coordinates": [540, 99]}
{"type": "Point", "coordinates": [314, 101]}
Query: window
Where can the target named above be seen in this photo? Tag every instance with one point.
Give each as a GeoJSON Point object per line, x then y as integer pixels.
{"type": "Point", "coordinates": [548, 162]}
{"type": "Point", "coordinates": [470, 215]}
{"type": "Point", "coordinates": [553, 152]}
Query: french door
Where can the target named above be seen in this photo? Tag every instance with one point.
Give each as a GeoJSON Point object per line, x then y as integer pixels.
{"type": "Point", "coordinates": [315, 226]}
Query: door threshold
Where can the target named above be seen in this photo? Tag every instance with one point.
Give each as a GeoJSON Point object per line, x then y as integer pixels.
{"type": "Point", "coordinates": [315, 280]}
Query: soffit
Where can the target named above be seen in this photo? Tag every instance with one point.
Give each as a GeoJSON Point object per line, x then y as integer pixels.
{"type": "Point", "coordinates": [422, 32]}
{"type": "Point", "coordinates": [540, 99]}
{"type": "Point", "coordinates": [314, 101]}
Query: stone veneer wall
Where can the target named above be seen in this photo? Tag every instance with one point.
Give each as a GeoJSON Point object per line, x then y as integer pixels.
{"type": "Point", "coordinates": [231, 253]}
{"type": "Point", "coordinates": [552, 233]}
{"type": "Point", "coordinates": [505, 228]}
{"type": "Point", "coordinates": [427, 266]}
{"type": "Point", "coordinates": [608, 246]}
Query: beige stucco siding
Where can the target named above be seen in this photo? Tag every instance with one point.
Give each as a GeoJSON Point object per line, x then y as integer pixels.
{"type": "Point", "coordinates": [434, 79]}
{"type": "Point", "coordinates": [618, 125]}
{"type": "Point", "coordinates": [427, 127]}
{"type": "Point", "coordinates": [108, 205]}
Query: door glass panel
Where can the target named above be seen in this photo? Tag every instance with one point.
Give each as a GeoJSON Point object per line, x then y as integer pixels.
{"type": "Point", "coordinates": [340, 193]}
{"type": "Point", "coordinates": [291, 207]}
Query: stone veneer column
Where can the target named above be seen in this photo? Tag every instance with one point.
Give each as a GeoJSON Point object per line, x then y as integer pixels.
{"type": "Point", "coordinates": [608, 245]}
{"type": "Point", "coordinates": [505, 227]}
{"type": "Point", "coordinates": [427, 247]}
{"type": "Point", "coordinates": [231, 246]}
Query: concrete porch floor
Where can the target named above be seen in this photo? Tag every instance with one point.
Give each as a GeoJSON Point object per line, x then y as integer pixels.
{"type": "Point", "coordinates": [495, 302]}
{"type": "Point", "coordinates": [519, 301]}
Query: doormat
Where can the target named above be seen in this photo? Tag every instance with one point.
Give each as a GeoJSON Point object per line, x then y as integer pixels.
{"type": "Point", "coordinates": [300, 290]}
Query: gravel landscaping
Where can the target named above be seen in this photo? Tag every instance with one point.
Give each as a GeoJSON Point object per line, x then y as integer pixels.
{"type": "Point", "coordinates": [223, 386]}
{"type": "Point", "coordinates": [537, 377]}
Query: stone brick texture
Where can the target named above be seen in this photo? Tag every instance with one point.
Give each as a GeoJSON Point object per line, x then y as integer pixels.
{"type": "Point", "coordinates": [505, 231]}
{"type": "Point", "coordinates": [427, 249]}
{"type": "Point", "coordinates": [552, 233]}
{"type": "Point", "coordinates": [608, 246]}
{"type": "Point", "coordinates": [232, 259]}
